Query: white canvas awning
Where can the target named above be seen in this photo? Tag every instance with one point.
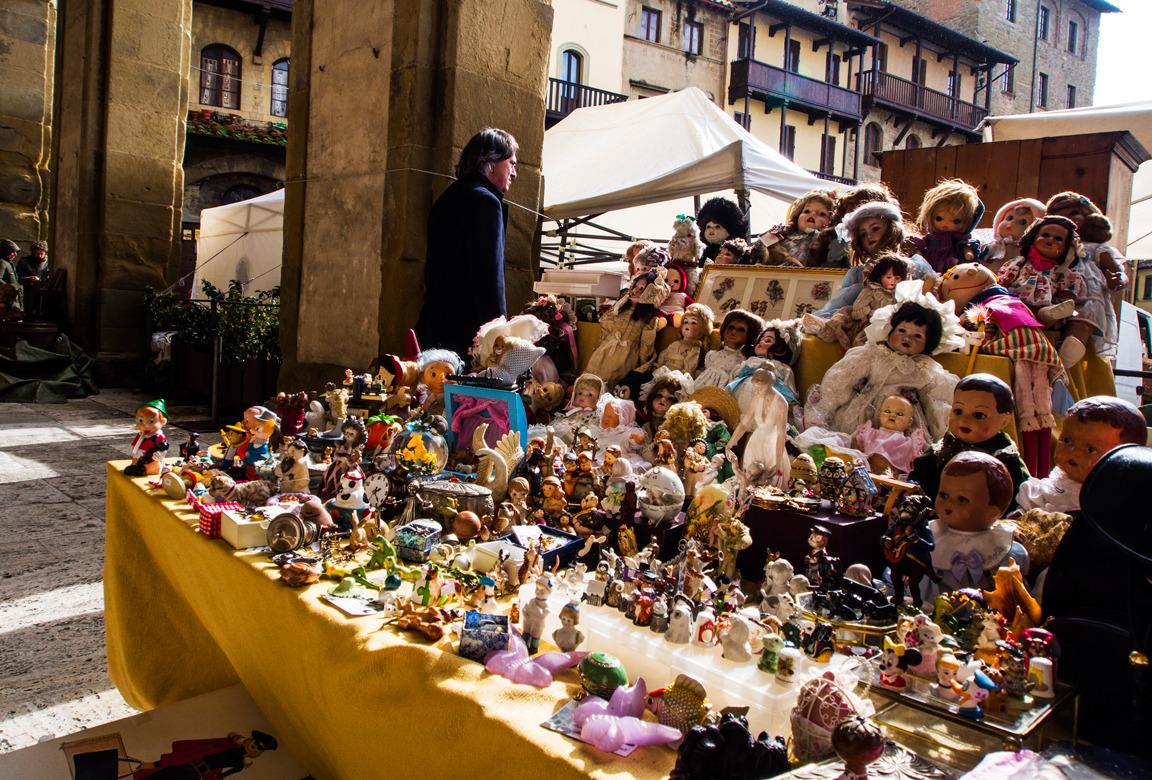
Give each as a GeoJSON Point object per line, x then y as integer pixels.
{"type": "Point", "coordinates": [243, 241]}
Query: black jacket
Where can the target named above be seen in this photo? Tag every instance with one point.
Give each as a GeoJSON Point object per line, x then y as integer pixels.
{"type": "Point", "coordinates": [927, 468]}
{"type": "Point", "coordinates": [464, 270]}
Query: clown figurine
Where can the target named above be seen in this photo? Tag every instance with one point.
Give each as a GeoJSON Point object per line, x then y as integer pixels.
{"type": "Point", "coordinates": [150, 443]}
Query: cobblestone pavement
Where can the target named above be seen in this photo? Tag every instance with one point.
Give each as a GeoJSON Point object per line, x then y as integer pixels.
{"type": "Point", "coordinates": [53, 665]}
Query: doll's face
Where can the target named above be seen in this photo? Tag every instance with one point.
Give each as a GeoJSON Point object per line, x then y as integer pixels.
{"type": "Point", "coordinates": [585, 463]}
{"type": "Point", "coordinates": [148, 422]}
{"type": "Point", "coordinates": [675, 282]}
{"type": "Point", "coordinates": [1015, 222]}
{"type": "Point", "coordinates": [814, 216]}
{"type": "Point", "coordinates": [767, 343]}
{"type": "Point", "coordinates": [549, 489]}
{"type": "Point", "coordinates": [434, 376]}
{"type": "Point", "coordinates": [948, 219]}
{"type": "Point", "coordinates": [871, 232]}
{"type": "Point", "coordinates": [817, 541]}
{"type": "Point", "coordinates": [700, 447]}
{"type": "Point", "coordinates": [584, 396]}
{"type": "Point", "coordinates": [610, 458]}
{"type": "Point", "coordinates": [962, 503]}
{"type": "Point", "coordinates": [908, 338]}
{"type": "Point", "coordinates": [638, 288]}
{"type": "Point", "coordinates": [570, 464]}
{"type": "Point", "coordinates": [946, 668]}
{"type": "Point", "coordinates": [974, 418]}
{"type": "Point", "coordinates": [964, 281]}
{"type": "Point", "coordinates": [1081, 444]}
{"type": "Point", "coordinates": [715, 233]}
{"type": "Point", "coordinates": [691, 327]}
{"type": "Point", "coordinates": [1073, 212]}
{"type": "Point", "coordinates": [662, 400]}
{"type": "Point", "coordinates": [895, 413]}
{"type": "Point", "coordinates": [548, 395]}
{"type": "Point", "coordinates": [296, 451]}
{"type": "Point", "coordinates": [726, 257]}
{"type": "Point", "coordinates": [889, 279]}
{"type": "Point", "coordinates": [610, 418]}
{"type": "Point", "coordinates": [518, 495]}
{"type": "Point", "coordinates": [1052, 241]}
{"type": "Point", "coordinates": [735, 336]}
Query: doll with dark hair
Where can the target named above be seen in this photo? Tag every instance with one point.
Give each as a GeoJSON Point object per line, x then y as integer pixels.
{"type": "Point", "coordinates": [858, 741]}
{"type": "Point", "coordinates": [734, 251]}
{"type": "Point", "coordinates": [720, 219]}
{"type": "Point", "coordinates": [659, 394]}
{"type": "Point", "coordinates": [739, 331]}
{"type": "Point", "coordinates": [846, 327]}
{"type": "Point", "coordinates": [829, 249]}
{"type": "Point", "coordinates": [895, 360]}
{"type": "Point", "coordinates": [1092, 427]}
{"type": "Point", "coordinates": [678, 299]}
{"type": "Point", "coordinates": [776, 349]}
{"type": "Point", "coordinates": [972, 541]}
{"type": "Point", "coordinates": [982, 407]}
{"type": "Point", "coordinates": [949, 213]}
{"type": "Point", "coordinates": [791, 244]}
{"type": "Point", "coordinates": [628, 329]}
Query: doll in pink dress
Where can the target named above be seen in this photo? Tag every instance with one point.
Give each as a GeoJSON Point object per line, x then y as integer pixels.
{"type": "Point", "coordinates": [890, 445]}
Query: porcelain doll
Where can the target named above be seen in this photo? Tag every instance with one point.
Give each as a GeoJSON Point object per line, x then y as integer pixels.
{"type": "Point", "coordinates": [568, 637]}
{"type": "Point", "coordinates": [1008, 227]}
{"type": "Point", "coordinates": [895, 360]}
{"type": "Point", "coordinates": [1091, 428]}
{"type": "Point", "coordinates": [515, 358]}
{"type": "Point", "coordinates": [346, 455]}
{"type": "Point", "coordinates": [777, 348]}
{"type": "Point", "coordinates": [722, 414]}
{"type": "Point", "coordinates": [829, 249]}
{"type": "Point", "coordinates": [435, 366]}
{"type": "Point", "coordinates": [659, 394]}
{"type": "Point", "coordinates": [981, 409]}
{"type": "Point", "coordinates": [846, 327]}
{"type": "Point", "coordinates": [858, 742]}
{"type": "Point", "coordinates": [894, 664]}
{"type": "Point", "coordinates": [678, 300]}
{"type": "Point", "coordinates": [890, 446]}
{"type": "Point", "coordinates": [1102, 268]}
{"type": "Point", "coordinates": [495, 336]}
{"type": "Point", "coordinates": [765, 421]}
{"type": "Point", "coordinates": [792, 243]}
{"type": "Point", "coordinates": [949, 213]}
{"type": "Point", "coordinates": [972, 542]}
{"type": "Point", "coordinates": [734, 251]}
{"type": "Point", "coordinates": [739, 332]}
{"type": "Point", "coordinates": [628, 330]}
{"type": "Point", "coordinates": [687, 353]}
{"type": "Point", "coordinates": [946, 686]}
{"type": "Point", "coordinates": [536, 613]}
{"type": "Point", "coordinates": [695, 466]}
{"type": "Point", "coordinates": [292, 469]}
{"type": "Point", "coordinates": [720, 220]}
{"type": "Point", "coordinates": [636, 257]}
{"type": "Point", "coordinates": [582, 409]}
{"type": "Point", "coordinates": [150, 443]}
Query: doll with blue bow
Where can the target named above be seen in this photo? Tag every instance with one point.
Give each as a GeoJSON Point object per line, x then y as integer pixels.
{"type": "Point", "coordinates": [777, 348]}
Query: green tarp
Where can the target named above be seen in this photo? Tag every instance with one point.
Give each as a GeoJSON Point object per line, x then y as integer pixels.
{"type": "Point", "coordinates": [41, 376]}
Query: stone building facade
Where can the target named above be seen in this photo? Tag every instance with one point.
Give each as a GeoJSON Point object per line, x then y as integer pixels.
{"type": "Point", "coordinates": [672, 44]}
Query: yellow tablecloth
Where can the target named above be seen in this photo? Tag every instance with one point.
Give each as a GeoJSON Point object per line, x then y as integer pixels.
{"type": "Point", "coordinates": [186, 615]}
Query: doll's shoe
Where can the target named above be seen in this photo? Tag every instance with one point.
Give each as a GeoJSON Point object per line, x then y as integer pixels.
{"type": "Point", "coordinates": [1060, 311]}
{"type": "Point", "coordinates": [1072, 351]}
{"type": "Point", "coordinates": [811, 323]}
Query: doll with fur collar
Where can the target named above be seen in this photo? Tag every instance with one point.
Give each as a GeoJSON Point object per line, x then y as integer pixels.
{"type": "Point", "coordinates": [1008, 227]}
{"type": "Point", "coordinates": [846, 326]}
{"type": "Point", "coordinates": [792, 243]}
{"type": "Point", "coordinates": [687, 352]}
{"type": "Point", "coordinates": [739, 332]}
{"type": "Point", "coordinates": [830, 250]}
{"type": "Point", "coordinates": [720, 220]}
{"type": "Point", "coordinates": [628, 329]}
{"type": "Point", "coordinates": [948, 215]}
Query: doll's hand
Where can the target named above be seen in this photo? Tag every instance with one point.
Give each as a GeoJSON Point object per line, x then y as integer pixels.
{"type": "Point", "coordinates": [731, 455]}
{"type": "Point", "coordinates": [1115, 280]}
{"type": "Point", "coordinates": [973, 339]}
{"type": "Point", "coordinates": [637, 438]}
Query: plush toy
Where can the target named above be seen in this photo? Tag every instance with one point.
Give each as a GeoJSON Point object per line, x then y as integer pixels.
{"type": "Point", "coordinates": [628, 330]}
{"type": "Point", "coordinates": [686, 249]}
{"type": "Point", "coordinates": [739, 332]}
{"type": "Point", "coordinates": [686, 354]}
{"type": "Point", "coordinates": [792, 243]}
{"type": "Point", "coordinates": [1008, 227]}
{"type": "Point", "coordinates": [949, 213]}
{"type": "Point", "coordinates": [720, 219]}
{"type": "Point", "coordinates": [846, 326]}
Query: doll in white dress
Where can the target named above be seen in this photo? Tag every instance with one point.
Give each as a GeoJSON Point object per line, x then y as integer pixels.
{"type": "Point", "coordinates": [896, 360]}
{"type": "Point", "coordinates": [766, 419]}
{"type": "Point", "coordinates": [739, 332]}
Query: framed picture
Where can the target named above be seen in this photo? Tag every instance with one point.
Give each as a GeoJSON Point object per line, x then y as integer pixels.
{"type": "Point", "coordinates": [771, 292]}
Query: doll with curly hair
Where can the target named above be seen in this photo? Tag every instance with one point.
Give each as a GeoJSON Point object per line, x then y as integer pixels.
{"type": "Point", "coordinates": [628, 329]}
{"type": "Point", "coordinates": [792, 243]}
{"type": "Point", "coordinates": [846, 326]}
{"type": "Point", "coordinates": [734, 251]}
{"type": "Point", "coordinates": [831, 251]}
{"type": "Point", "coordinates": [739, 332]}
{"type": "Point", "coordinates": [949, 213]}
{"type": "Point", "coordinates": [684, 422]}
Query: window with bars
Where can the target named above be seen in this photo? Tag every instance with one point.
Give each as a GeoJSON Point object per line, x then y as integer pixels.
{"type": "Point", "coordinates": [650, 24]}
{"type": "Point", "coordinates": [1042, 90]}
{"type": "Point", "coordinates": [792, 56]}
{"type": "Point", "coordinates": [828, 154]}
{"type": "Point", "coordinates": [219, 77]}
{"type": "Point", "coordinates": [280, 88]}
{"type": "Point", "coordinates": [694, 37]}
{"type": "Point", "coordinates": [788, 141]}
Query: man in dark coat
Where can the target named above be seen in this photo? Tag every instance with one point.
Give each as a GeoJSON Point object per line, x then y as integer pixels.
{"type": "Point", "coordinates": [33, 267]}
{"type": "Point", "coordinates": [464, 270]}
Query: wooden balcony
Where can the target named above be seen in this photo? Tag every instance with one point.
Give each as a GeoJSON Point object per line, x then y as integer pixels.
{"type": "Point", "coordinates": [833, 178]}
{"type": "Point", "coordinates": [564, 97]}
{"type": "Point", "coordinates": [776, 86]}
{"type": "Point", "coordinates": [894, 93]}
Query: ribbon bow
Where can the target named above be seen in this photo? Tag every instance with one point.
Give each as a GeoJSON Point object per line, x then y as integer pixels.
{"type": "Point", "coordinates": [971, 564]}
{"type": "Point", "coordinates": [894, 647]}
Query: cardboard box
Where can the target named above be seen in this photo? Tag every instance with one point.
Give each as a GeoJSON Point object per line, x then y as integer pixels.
{"type": "Point", "coordinates": [242, 533]}
{"type": "Point", "coordinates": [210, 516]}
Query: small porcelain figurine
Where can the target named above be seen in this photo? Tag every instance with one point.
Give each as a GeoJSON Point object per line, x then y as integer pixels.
{"type": "Point", "coordinates": [348, 508]}
{"type": "Point", "coordinates": [1010, 597]}
{"type": "Point", "coordinates": [855, 499]}
{"type": "Point", "coordinates": [820, 642]}
{"type": "Point", "coordinates": [659, 622]}
{"type": "Point", "coordinates": [975, 686]}
{"type": "Point", "coordinates": [150, 443]}
{"type": "Point", "coordinates": [832, 476]}
{"type": "Point", "coordinates": [765, 420]}
{"type": "Point", "coordinates": [679, 624]}
{"type": "Point", "coordinates": [770, 656]}
{"type": "Point", "coordinates": [927, 636]}
{"type": "Point", "coordinates": [739, 332]}
{"type": "Point", "coordinates": [777, 575]}
{"type": "Point", "coordinates": [568, 637]}
{"type": "Point", "coordinates": [947, 687]}
{"type": "Point", "coordinates": [704, 630]}
{"type": "Point", "coordinates": [536, 612]}
{"type": "Point", "coordinates": [261, 423]}
{"type": "Point", "coordinates": [949, 213]}
{"type": "Point", "coordinates": [894, 664]}
{"type": "Point", "coordinates": [908, 545]}
{"type": "Point", "coordinates": [858, 741]}
{"type": "Point", "coordinates": [346, 455]}
{"type": "Point", "coordinates": [292, 469]}
{"type": "Point", "coordinates": [819, 565]}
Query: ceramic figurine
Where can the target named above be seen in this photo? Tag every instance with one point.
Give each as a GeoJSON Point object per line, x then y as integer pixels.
{"type": "Point", "coordinates": [819, 565]}
{"type": "Point", "coordinates": [770, 655]}
{"type": "Point", "coordinates": [348, 508]}
{"type": "Point", "coordinates": [553, 501]}
{"type": "Point", "coordinates": [735, 640]}
{"type": "Point", "coordinates": [1010, 597]}
{"type": "Point", "coordinates": [602, 673]}
{"type": "Point", "coordinates": [908, 545]}
{"type": "Point", "coordinates": [787, 665]}
{"type": "Point", "coordinates": [533, 564]}
{"type": "Point", "coordinates": [765, 418]}
{"type": "Point", "coordinates": [659, 622]}
{"type": "Point", "coordinates": [568, 637]}
{"type": "Point", "coordinates": [191, 448]}
{"type": "Point", "coordinates": [804, 472]}
{"type": "Point", "coordinates": [291, 470]}
{"type": "Point", "coordinates": [1042, 677]}
{"type": "Point", "coordinates": [679, 624]}
{"type": "Point", "coordinates": [681, 705]}
{"type": "Point", "coordinates": [927, 636]}
{"type": "Point", "coordinates": [261, 423]}
{"type": "Point", "coordinates": [947, 687]}
{"type": "Point", "coordinates": [222, 488]}
{"type": "Point", "coordinates": [833, 475]}
{"type": "Point", "coordinates": [778, 573]}
{"type": "Point", "coordinates": [597, 587]}
{"type": "Point", "coordinates": [783, 606]}
{"type": "Point", "coordinates": [346, 455]}
{"type": "Point", "coordinates": [536, 612]}
{"type": "Point", "coordinates": [975, 686]}
{"type": "Point", "coordinates": [150, 443]}
{"type": "Point", "coordinates": [1014, 668]}
{"type": "Point", "coordinates": [894, 664]}
{"type": "Point", "coordinates": [704, 629]}
{"type": "Point", "coordinates": [819, 643]}
{"type": "Point", "coordinates": [858, 741]}
{"type": "Point", "coordinates": [856, 496]}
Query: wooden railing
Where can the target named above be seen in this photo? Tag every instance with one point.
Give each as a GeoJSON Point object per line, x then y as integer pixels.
{"type": "Point", "coordinates": [902, 93]}
{"type": "Point", "coordinates": [761, 80]}
{"type": "Point", "coordinates": [564, 97]}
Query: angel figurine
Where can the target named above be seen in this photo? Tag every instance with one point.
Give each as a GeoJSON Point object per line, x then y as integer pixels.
{"type": "Point", "coordinates": [766, 420]}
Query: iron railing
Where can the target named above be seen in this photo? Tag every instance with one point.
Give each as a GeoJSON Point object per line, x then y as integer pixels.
{"type": "Point", "coordinates": [564, 97]}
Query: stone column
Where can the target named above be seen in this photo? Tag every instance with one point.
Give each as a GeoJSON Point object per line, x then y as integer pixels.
{"type": "Point", "coordinates": [379, 113]}
{"type": "Point", "coordinates": [27, 53]}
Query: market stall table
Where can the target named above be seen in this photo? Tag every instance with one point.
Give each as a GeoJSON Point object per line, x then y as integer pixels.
{"type": "Point", "coordinates": [186, 615]}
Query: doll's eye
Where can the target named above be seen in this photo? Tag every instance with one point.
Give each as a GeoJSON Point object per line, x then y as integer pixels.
{"type": "Point", "coordinates": [958, 412]}
{"type": "Point", "coordinates": [980, 416]}
{"type": "Point", "coordinates": [961, 500]}
{"type": "Point", "coordinates": [1091, 450]}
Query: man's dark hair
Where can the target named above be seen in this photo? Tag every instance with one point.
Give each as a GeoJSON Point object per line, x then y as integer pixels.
{"type": "Point", "coordinates": [490, 145]}
{"type": "Point", "coordinates": [8, 249]}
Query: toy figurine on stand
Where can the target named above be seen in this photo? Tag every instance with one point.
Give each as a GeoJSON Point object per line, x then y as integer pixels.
{"type": "Point", "coordinates": [908, 545]}
{"type": "Point", "coordinates": [819, 565]}
{"type": "Point", "coordinates": [291, 470]}
{"type": "Point", "coordinates": [894, 664]}
{"type": "Point", "coordinates": [345, 456]}
{"type": "Point", "coordinates": [150, 443]}
{"type": "Point", "coordinates": [766, 420]}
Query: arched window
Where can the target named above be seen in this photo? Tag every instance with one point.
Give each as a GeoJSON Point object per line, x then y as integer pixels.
{"type": "Point", "coordinates": [280, 87]}
{"type": "Point", "coordinates": [240, 192]}
{"type": "Point", "coordinates": [219, 76]}
{"type": "Point", "coordinates": [913, 142]}
{"type": "Point", "coordinates": [572, 66]}
{"type": "Point", "coordinates": [873, 140]}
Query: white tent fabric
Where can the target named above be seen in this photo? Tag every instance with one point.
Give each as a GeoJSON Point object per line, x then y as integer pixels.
{"type": "Point", "coordinates": [639, 152]}
{"type": "Point", "coordinates": [1136, 118]}
{"type": "Point", "coordinates": [243, 241]}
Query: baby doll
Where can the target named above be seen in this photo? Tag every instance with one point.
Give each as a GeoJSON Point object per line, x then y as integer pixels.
{"type": "Point", "coordinates": [628, 329]}
{"type": "Point", "coordinates": [972, 542]}
{"type": "Point", "coordinates": [435, 366]}
{"type": "Point", "coordinates": [948, 215]}
{"type": "Point", "coordinates": [583, 408]}
{"type": "Point", "coordinates": [734, 251]}
{"type": "Point", "coordinates": [292, 469]}
{"type": "Point", "coordinates": [1102, 268]}
{"type": "Point", "coordinates": [895, 360]}
{"type": "Point", "coordinates": [981, 409]}
{"type": "Point", "coordinates": [792, 243]}
{"type": "Point", "coordinates": [766, 419]}
{"type": "Point", "coordinates": [777, 349]}
{"type": "Point", "coordinates": [493, 338]}
{"type": "Point", "coordinates": [1091, 428]}
{"type": "Point", "coordinates": [739, 332]}
{"type": "Point", "coordinates": [677, 300]}
{"type": "Point", "coordinates": [890, 448]}
{"type": "Point", "coordinates": [617, 428]}
{"type": "Point", "coordinates": [846, 327]}
{"type": "Point", "coordinates": [1010, 330]}
{"type": "Point", "coordinates": [150, 443]}
{"type": "Point", "coordinates": [1011, 221]}
{"type": "Point", "coordinates": [687, 353]}
{"type": "Point", "coordinates": [720, 220]}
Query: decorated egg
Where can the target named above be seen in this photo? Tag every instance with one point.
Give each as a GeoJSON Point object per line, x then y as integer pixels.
{"type": "Point", "coordinates": [601, 674]}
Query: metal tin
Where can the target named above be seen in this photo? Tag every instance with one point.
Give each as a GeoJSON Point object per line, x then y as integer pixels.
{"type": "Point", "coordinates": [460, 496]}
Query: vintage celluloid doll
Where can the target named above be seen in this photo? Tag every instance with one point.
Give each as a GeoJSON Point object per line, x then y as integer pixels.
{"type": "Point", "coordinates": [435, 366]}
{"type": "Point", "coordinates": [568, 637]}
{"type": "Point", "coordinates": [982, 407]}
{"type": "Point", "coordinates": [1092, 427]}
{"type": "Point", "coordinates": [292, 468]}
{"type": "Point", "coordinates": [536, 612]}
{"type": "Point", "coordinates": [150, 443]}
{"type": "Point", "coordinates": [891, 444]}
{"type": "Point", "coordinates": [896, 360]}
{"type": "Point", "coordinates": [846, 327]}
{"type": "Point", "coordinates": [739, 332]}
{"type": "Point", "coordinates": [792, 243]}
{"type": "Point", "coordinates": [734, 251]}
{"type": "Point", "coordinates": [948, 215]}
{"type": "Point", "coordinates": [830, 250]}
{"type": "Point", "coordinates": [582, 410]}
{"type": "Point", "coordinates": [1102, 268]}
{"type": "Point", "coordinates": [720, 220]}
{"type": "Point", "coordinates": [637, 249]}
{"type": "Point", "coordinates": [659, 394]}
{"type": "Point", "coordinates": [628, 329]}
{"type": "Point", "coordinates": [765, 421]}
{"type": "Point", "coordinates": [617, 428]}
{"type": "Point", "coordinates": [1010, 330]}
{"type": "Point", "coordinates": [1043, 276]}
{"type": "Point", "coordinates": [1008, 227]}
{"type": "Point", "coordinates": [678, 300]}
{"type": "Point", "coordinates": [972, 542]}
{"type": "Point", "coordinates": [687, 353]}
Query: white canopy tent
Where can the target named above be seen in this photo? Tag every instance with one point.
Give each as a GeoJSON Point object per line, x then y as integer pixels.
{"type": "Point", "coordinates": [1136, 118]}
{"type": "Point", "coordinates": [243, 241]}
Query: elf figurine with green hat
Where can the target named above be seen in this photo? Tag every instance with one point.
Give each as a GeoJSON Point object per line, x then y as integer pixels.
{"type": "Point", "coordinates": [150, 443]}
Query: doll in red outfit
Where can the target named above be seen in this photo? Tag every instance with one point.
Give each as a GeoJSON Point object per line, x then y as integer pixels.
{"type": "Point", "coordinates": [150, 443]}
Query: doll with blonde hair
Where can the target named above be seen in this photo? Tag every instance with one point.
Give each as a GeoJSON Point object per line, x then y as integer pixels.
{"type": "Point", "coordinates": [687, 352]}
{"type": "Point", "coordinates": [792, 243]}
{"type": "Point", "coordinates": [949, 213]}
